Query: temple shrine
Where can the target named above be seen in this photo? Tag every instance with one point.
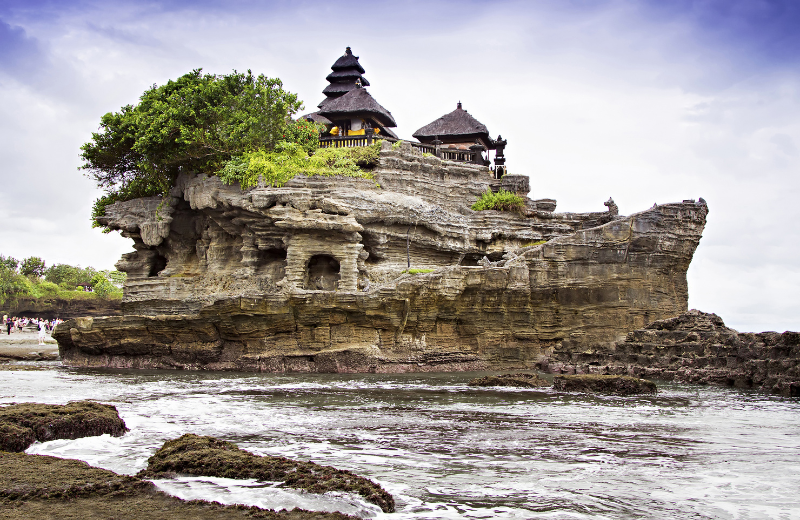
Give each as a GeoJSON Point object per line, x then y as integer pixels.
{"type": "Point", "coordinates": [352, 117]}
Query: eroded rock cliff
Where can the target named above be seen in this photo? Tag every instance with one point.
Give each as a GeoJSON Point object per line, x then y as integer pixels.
{"type": "Point", "coordinates": [310, 276]}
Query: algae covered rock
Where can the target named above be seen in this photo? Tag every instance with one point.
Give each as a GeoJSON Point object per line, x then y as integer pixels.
{"type": "Point", "coordinates": [208, 456]}
{"type": "Point", "coordinates": [22, 424]}
{"type": "Point", "coordinates": [14, 437]}
{"type": "Point", "coordinates": [39, 486]}
{"type": "Point", "coordinates": [516, 380]}
{"type": "Point", "coordinates": [602, 384]}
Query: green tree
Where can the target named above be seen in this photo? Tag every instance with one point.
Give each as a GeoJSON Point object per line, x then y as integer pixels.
{"type": "Point", "coordinates": [103, 286]}
{"type": "Point", "coordinates": [12, 284]}
{"type": "Point", "coordinates": [33, 266]}
{"type": "Point", "coordinates": [9, 263]}
{"type": "Point", "coordinates": [68, 276]}
{"type": "Point", "coordinates": [195, 123]}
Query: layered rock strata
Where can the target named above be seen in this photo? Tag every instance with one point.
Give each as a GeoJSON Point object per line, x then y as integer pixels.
{"type": "Point", "coordinates": [695, 347]}
{"type": "Point", "coordinates": [310, 276]}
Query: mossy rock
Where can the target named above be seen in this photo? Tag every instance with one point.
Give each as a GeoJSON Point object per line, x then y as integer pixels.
{"type": "Point", "coordinates": [208, 456]}
{"type": "Point", "coordinates": [602, 384]}
{"type": "Point", "coordinates": [22, 424]}
{"type": "Point", "coordinates": [516, 380]}
{"type": "Point", "coordinates": [14, 437]}
{"type": "Point", "coordinates": [39, 486]}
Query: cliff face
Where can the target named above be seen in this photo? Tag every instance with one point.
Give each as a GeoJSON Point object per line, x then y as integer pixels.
{"type": "Point", "coordinates": [51, 308]}
{"type": "Point", "coordinates": [309, 276]}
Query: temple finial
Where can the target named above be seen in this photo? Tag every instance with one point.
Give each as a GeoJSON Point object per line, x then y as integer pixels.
{"type": "Point", "coordinates": [458, 106]}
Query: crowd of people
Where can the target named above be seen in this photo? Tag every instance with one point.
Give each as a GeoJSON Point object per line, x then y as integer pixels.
{"type": "Point", "coordinates": [43, 326]}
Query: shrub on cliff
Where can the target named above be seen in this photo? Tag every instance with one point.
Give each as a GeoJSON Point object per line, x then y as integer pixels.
{"type": "Point", "coordinates": [194, 123]}
{"type": "Point", "coordinates": [289, 159]}
{"type": "Point", "coordinates": [501, 201]}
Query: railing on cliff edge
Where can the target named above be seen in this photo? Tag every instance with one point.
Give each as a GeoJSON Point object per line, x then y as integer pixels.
{"type": "Point", "coordinates": [473, 155]}
{"type": "Point", "coordinates": [351, 141]}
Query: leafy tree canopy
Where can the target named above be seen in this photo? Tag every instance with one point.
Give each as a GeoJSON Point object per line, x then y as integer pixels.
{"type": "Point", "coordinates": [32, 266]}
{"type": "Point", "coordinates": [60, 281]}
{"type": "Point", "coordinates": [68, 276]}
{"type": "Point", "coordinates": [195, 123]}
{"type": "Point", "coordinates": [9, 263]}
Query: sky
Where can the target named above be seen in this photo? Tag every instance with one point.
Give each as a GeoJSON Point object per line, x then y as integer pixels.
{"type": "Point", "coordinates": [643, 101]}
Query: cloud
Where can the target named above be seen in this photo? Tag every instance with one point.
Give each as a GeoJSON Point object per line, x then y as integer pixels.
{"type": "Point", "coordinates": [20, 54]}
{"type": "Point", "coordinates": [646, 101]}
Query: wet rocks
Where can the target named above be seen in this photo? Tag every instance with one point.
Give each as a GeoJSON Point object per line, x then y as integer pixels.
{"type": "Point", "coordinates": [602, 384]}
{"type": "Point", "coordinates": [201, 455]}
{"type": "Point", "coordinates": [695, 347]}
{"type": "Point", "coordinates": [22, 424]}
{"type": "Point", "coordinates": [515, 380]}
{"type": "Point", "coordinates": [36, 486]}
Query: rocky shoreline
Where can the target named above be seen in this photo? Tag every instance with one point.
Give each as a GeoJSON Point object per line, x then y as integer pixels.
{"type": "Point", "coordinates": [695, 347]}
{"type": "Point", "coordinates": [37, 486]}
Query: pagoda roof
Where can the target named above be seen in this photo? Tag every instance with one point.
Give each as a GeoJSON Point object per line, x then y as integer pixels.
{"type": "Point", "coordinates": [357, 102]}
{"type": "Point", "coordinates": [457, 123]}
{"type": "Point", "coordinates": [339, 88]}
{"type": "Point", "coordinates": [342, 76]}
{"type": "Point", "coordinates": [348, 61]}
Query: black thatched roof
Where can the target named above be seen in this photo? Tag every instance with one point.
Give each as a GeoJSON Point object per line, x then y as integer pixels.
{"type": "Point", "coordinates": [356, 103]}
{"type": "Point", "coordinates": [348, 61]}
{"type": "Point", "coordinates": [349, 75]}
{"type": "Point", "coordinates": [457, 123]}
{"type": "Point", "coordinates": [317, 118]}
{"type": "Point", "coordinates": [339, 88]}
{"type": "Point", "coordinates": [346, 73]}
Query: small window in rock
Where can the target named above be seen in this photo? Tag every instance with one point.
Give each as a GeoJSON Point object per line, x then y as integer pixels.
{"type": "Point", "coordinates": [272, 255]}
{"type": "Point", "coordinates": [322, 273]}
{"type": "Point", "coordinates": [158, 265]}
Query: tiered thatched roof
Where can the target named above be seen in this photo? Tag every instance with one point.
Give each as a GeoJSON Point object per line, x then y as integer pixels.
{"type": "Point", "coordinates": [347, 71]}
{"type": "Point", "coordinates": [356, 104]}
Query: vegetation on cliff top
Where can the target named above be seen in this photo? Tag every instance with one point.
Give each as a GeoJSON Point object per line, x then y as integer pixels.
{"type": "Point", "coordinates": [207, 456]}
{"type": "Point", "coordinates": [288, 159]}
{"type": "Point", "coordinates": [194, 123]}
{"type": "Point", "coordinates": [32, 279]}
{"type": "Point", "coordinates": [238, 126]}
{"type": "Point", "coordinates": [503, 200]}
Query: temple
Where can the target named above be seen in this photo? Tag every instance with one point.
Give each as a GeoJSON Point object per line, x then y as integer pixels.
{"type": "Point", "coordinates": [352, 117]}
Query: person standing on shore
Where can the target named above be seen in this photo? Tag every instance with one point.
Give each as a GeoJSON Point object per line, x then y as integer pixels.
{"type": "Point", "coordinates": [42, 332]}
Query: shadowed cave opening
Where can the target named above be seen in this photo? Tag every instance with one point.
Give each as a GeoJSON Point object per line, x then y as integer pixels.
{"type": "Point", "coordinates": [322, 273]}
{"type": "Point", "coordinates": [158, 265]}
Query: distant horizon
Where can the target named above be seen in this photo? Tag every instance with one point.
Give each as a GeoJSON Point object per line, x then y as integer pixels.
{"type": "Point", "coordinates": [642, 101]}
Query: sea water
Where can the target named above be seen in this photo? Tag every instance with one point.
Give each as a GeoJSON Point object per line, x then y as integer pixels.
{"type": "Point", "coordinates": [445, 450]}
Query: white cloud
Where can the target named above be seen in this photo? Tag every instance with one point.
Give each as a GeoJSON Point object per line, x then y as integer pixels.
{"type": "Point", "coordinates": [595, 102]}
